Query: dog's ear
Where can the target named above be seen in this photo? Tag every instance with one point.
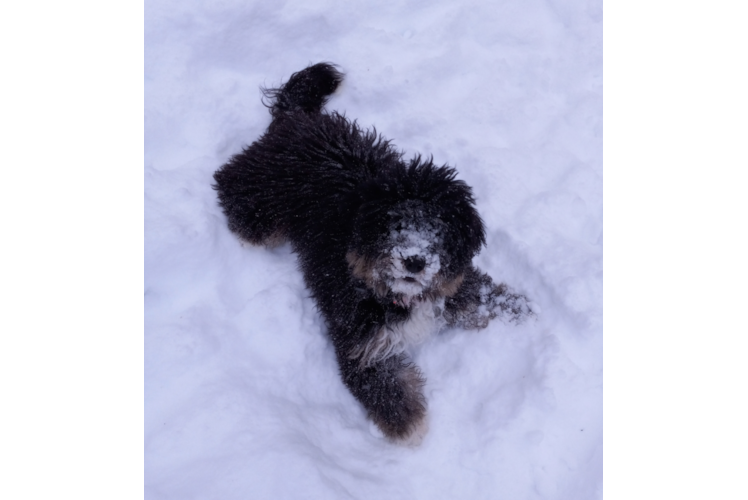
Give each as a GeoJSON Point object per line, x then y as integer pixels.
{"type": "Point", "coordinates": [466, 233]}
{"type": "Point", "coordinates": [369, 208]}
{"type": "Point", "coordinates": [470, 226]}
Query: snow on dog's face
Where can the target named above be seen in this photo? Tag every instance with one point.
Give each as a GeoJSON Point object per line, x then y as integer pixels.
{"type": "Point", "coordinates": [414, 260]}
{"type": "Point", "coordinates": [414, 235]}
{"type": "Point", "coordinates": [410, 262]}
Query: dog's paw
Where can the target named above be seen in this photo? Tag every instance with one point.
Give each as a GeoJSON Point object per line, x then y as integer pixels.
{"type": "Point", "coordinates": [506, 305]}
{"type": "Point", "coordinates": [400, 412]}
{"type": "Point", "coordinates": [412, 437]}
{"type": "Point", "coordinates": [479, 300]}
{"type": "Point", "coordinates": [418, 431]}
{"type": "Point", "coordinates": [490, 301]}
{"type": "Point", "coordinates": [406, 432]}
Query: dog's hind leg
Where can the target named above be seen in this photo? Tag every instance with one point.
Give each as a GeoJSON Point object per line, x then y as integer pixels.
{"type": "Point", "coordinates": [253, 213]}
{"type": "Point", "coordinates": [391, 392]}
{"type": "Point", "coordinates": [258, 189]}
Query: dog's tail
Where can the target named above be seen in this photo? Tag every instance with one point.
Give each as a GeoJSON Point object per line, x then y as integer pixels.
{"type": "Point", "coordinates": [305, 91]}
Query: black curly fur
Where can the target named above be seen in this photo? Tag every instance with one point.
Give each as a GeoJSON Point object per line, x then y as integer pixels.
{"type": "Point", "coordinates": [341, 195]}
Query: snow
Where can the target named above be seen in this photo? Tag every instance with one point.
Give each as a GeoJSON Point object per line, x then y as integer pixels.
{"type": "Point", "coordinates": [242, 395]}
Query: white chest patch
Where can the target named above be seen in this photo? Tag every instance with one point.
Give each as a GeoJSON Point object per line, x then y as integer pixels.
{"type": "Point", "coordinates": [425, 319]}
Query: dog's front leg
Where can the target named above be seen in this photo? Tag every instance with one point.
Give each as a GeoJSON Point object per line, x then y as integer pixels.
{"type": "Point", "coordinates": [479, 300]}
{"type": "Point", "coordinates": [391, 392]}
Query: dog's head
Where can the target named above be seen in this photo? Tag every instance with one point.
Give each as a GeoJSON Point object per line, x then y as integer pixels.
{"type": "Point", "coordinates": [415, 232]}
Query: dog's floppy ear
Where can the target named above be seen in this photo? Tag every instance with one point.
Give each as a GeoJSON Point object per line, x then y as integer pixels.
{"type": "Point", "coordinates": [369, 207]}
{"type": "Point", "coordinates": [460, 209]}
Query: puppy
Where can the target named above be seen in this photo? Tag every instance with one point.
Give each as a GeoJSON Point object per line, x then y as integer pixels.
{"type": "Point", "coordinates": [385, 244]}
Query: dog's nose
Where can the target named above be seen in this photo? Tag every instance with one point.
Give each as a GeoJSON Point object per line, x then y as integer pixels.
{"type": "Point", "coordinates": [414, 264]}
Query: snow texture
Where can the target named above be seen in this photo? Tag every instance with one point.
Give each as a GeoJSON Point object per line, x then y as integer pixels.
{"type": "Point", "coordinates": [242, 395]}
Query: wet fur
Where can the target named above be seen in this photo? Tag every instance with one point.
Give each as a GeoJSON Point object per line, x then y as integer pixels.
{"type": "Point", "coordinates": [341, 195]}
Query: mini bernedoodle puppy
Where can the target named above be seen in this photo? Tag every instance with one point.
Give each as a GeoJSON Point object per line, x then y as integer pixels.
{"type": "Point", "coordinates": [385, 244]}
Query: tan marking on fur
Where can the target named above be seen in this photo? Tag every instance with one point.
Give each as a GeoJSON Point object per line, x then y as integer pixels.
{"type": "Point", "coordinates": [275, 240]}
{"type": "Point", "coordinates": [449, 288]}
{"type": "Point", "coordinates": [363, 269]}
{"type": "Point", "coordinates": [419, 431]}
{"type": "Point", "coordinates": [360, 266]}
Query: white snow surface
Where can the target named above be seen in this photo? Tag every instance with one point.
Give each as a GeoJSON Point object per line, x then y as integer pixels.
{"type": "Point", "coordinates": [242, 395]}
